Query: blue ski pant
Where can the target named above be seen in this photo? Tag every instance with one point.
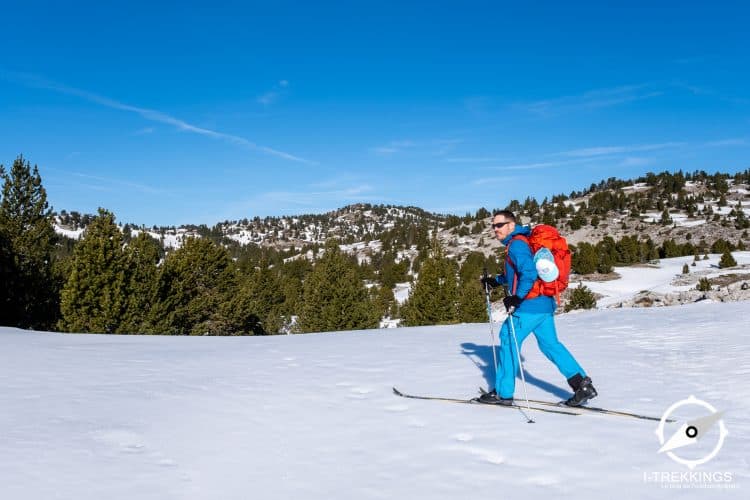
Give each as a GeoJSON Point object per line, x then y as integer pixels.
{"type": "Point", "coordinates": [543, 328]}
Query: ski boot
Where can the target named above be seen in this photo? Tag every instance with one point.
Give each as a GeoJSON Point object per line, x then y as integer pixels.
{"type": "Point", "coordinates": [491, 398]}
{"type": "Point", "coordinates": [583, 390]}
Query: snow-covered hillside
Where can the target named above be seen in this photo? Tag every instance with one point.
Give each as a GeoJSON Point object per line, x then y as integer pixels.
{"type": "Point", "coordinates": [313, 416]}
{"type": "Point", "coordinates": [665, 281]}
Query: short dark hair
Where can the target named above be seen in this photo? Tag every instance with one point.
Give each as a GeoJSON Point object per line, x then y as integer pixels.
{"type": "Point", "coordinates": [505, 213]}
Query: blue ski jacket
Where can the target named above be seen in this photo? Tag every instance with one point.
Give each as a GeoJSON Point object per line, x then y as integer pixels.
{"type": "Point", "coordinates": [522, 259]}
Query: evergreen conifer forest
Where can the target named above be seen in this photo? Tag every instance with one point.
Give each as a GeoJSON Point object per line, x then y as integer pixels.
{"type": "Point", "coordinates": [328, 272]}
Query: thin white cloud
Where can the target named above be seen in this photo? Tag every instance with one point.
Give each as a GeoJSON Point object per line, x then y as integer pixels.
{"type": "Point", "coordinates": [693, 89]}
{"type": "Point", "coordinates": [393, 147]}
{"type": "Point", "coordinates": [548, 164]}
{"type": "Point", "coordinates": [475, 159]}
{"type": "Point", "coordinates": [737, 141]}
{"type": "Point", "coordinates": [273, 95]}
{"type": "Point", "coordinates": [488, 181]}
{"type": "Point", "coordinates": [268, 98]}
{"type": "Point", "coordinates": [610, 150]}
{"type": "Point", "coordinates": [385, 150]}
{"type": "Point", "coordinates": [151, 115]}
{"type": "Point", "coordinates": [110, 184]}
{"type": "Point", "coordinates": [433, 147]}
{"type": "Point", "coordinates": [444, 146]}
{"type": "Point", "coordinates": [597, 98]}
{"type": "Point", "coordinates": [708, 92]}
{"type": "Point", "coordinates": [97, 187]}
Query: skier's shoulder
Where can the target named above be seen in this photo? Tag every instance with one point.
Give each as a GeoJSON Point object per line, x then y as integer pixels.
{"type": "Point", "coordinates": [518, 241]}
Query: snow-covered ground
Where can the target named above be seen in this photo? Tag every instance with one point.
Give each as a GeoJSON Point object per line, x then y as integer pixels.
{"type": "Point", "coordinates": [659, 277]}
{"type": "Point", "coordinates": [313, 416]}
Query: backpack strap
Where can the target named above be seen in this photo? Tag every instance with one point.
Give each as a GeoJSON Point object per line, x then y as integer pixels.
{"type": "Point", "coordinates": [510, 262]}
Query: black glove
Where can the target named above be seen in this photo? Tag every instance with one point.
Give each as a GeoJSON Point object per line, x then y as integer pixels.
{"type": "Point", "coordinates": [512, 301]}
{"type": "Point", "coordinates": [489, 281]}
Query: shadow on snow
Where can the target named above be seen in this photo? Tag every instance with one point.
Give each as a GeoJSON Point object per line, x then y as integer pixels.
{"type": "Point", "coordinates": [483, 359]}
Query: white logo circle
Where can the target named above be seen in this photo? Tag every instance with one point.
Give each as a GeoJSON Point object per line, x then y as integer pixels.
{"type": "Point", "coordinates": [691, 432]}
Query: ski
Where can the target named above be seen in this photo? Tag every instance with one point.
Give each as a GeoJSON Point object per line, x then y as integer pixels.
{"type": "Point", "coordinates": [475, 401]}
{"type": "Point", "coordinates": [592, 409]}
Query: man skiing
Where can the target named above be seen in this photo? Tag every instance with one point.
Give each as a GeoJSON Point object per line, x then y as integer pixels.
{"type": "Point", "coordinates": [529, 315]}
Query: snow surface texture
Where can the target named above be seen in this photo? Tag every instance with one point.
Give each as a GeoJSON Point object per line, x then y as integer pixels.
{"type": "Point", "coordinates": [313, 416]}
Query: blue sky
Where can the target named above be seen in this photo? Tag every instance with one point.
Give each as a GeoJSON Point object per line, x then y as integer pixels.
{"type": "Point", "coordinates": [197, 113]}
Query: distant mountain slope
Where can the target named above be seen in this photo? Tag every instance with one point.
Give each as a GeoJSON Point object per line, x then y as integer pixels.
{"type": "Point", "coordinates": [657, 207]}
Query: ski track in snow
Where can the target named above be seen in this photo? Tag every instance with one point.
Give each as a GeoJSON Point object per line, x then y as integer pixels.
{"type": "Point", "coordinates": [313, 416]}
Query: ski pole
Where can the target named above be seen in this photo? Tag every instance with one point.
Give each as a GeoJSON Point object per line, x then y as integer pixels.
{"type": "Point", "coordinates": [518, 354]}
{"type": "Point", "coordinates": [489, 315]}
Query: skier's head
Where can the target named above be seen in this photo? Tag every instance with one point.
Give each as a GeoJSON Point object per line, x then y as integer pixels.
{"type": "Point", "coordinates": [503, 223]}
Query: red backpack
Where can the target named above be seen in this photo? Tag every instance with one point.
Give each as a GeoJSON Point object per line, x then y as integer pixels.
{"type": "Point", "coordinates": [547, 237]}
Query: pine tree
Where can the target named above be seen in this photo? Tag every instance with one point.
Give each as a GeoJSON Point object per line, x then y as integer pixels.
{"type": "Point", "coordinates": [685, 269]}
{"type": "Point", "coordinates": [435, 296]}
{"type": "Point", "coordinates": [665, 218]}
{"type": "Point", "coordinates": [8, 278]}
{"type": "Point", "coordinates": [194, 289]}
{"type": "Point", "coordinates": [704, 285]}
{"type": "Point", "coordinates": [472, 307]}
{"type": "Point", "coordinates": [141, 256]}
{"type": "Point", "coordinates": [7, 272]}
{"type": "Point", "coordinates": [334, 296]}
{"type": "Point", "coordinates": [94, 297]}
{"type": "Point", "coordinates": [727, 260]}
{"type": "Point", "coordinates": [585, 259]}
{"type": "Point", "coordinates": [258, 307]}
{"type": "Point", "coordinates": [30, 298]}
{"type": "Point", "coordinates": [606, 264]}
{"type": "Point", "coordinates": [292, 275]}
{"type": "Point", "coordinates": [471, 298]}
{"type": "Point", "coordinates": [581, 297]}
{"type": "Point", "coordinates": [385, 301]}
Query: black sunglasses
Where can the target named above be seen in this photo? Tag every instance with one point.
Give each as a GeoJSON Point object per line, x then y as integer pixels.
{"type": "Point", "coordinates": [498, 225]}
